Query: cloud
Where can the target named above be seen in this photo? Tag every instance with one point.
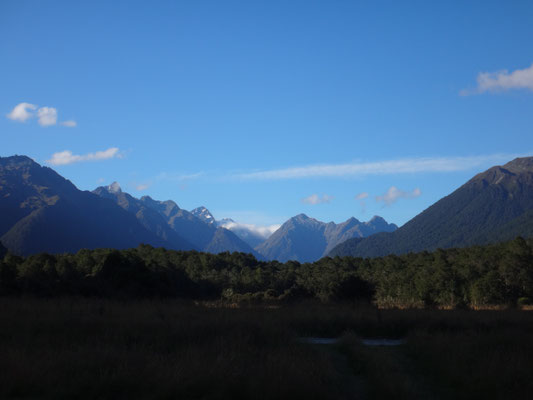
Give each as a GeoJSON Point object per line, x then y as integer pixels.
{"type": "Point", "coordinates": [165, 176]}
{"type": "Point", "coordinates": [47, 116]}
{"type": "Point", "coordinates": [22, 112]}
{"type": "Point", "coordinates": [393, 194]}
{"type": "Point", "coordinates": [69, 124]}
{"type": "Point", "coordinates": [502, 80]}
{"type": "Point", "coordinates": [387, 167]}
{"type": "Point", "coordinates": [142, 186]}
{"type": "Point", "coordinates": [262, 231]}
{"type": "Point", "coordinates": [66, 157]}
{"type": "Point", "coordinates": [316, 199]}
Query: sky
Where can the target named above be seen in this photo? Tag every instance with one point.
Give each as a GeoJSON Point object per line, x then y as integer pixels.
{"type": "Point", "coordinates": [261, 110]}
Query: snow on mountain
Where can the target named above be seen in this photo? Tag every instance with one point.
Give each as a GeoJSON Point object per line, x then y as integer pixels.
{"type": "Point", "coordinates": [203, 214]}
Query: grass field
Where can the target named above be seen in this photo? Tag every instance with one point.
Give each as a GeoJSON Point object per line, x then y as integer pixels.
{"type": "Point", "coordinates": [90, 348]}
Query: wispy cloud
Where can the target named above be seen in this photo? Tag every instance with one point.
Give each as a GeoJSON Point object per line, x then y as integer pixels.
{"type": "Point", "coordinates": [501, 81]}
{"type": "Point", "coordinates": [393, 194]}
{"type": "Point", "coordinates": [46, 116]}
{"type": "Point", "coordinates": [177, 177]}
{"type": "Point", "coordinates": [67, 157]}
{"type": "Point", "coordinates": [387, 167]}
{"type": "Point", "coordinates": [69, 124]}
{"type": "Point", "coordinates": [142, 186]}
{"type": "Point", "coordinates": [317, 199]}
{"type": "Point", "coordinates": [361, 196]}
{"type": "Point", "coordinates": [22, 112]}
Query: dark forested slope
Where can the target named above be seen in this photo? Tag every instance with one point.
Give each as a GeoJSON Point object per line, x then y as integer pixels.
{"type": "Point", "coordinates": [493, 206]}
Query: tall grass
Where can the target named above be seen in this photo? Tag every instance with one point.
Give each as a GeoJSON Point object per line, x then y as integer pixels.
{"type": "Point", "coordinates": [162, 349]}
{"type": "Point", "coordinates": [76, 348]}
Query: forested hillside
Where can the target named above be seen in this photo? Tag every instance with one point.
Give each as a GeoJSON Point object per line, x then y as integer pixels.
{"type": "Point", "coordinates": [493, 206]}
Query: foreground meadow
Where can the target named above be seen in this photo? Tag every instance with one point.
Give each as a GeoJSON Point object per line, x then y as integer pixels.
{"type": "Point", "coordinates": [162, 349]}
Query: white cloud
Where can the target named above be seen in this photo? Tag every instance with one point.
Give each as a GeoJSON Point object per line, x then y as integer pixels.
{"type": "Point", "coordinates": [22, 112]}
{"type": "Point", "coordinates": [502, 80]}
{"type": "Point", "coordinates": [47, 116]}
{"type": "Point", "coordinates": [387, 167]}
{"type": "Point", "coordinates": [263, 231]}
{"type": "Point", "coordinates": [66, 157]}
{"type": "Point", "coordinates": [251, 217]}
{"type": "Point", "coordinates": [316, 199]}
{"type": "Point", "coordinates": [393, 194]}
{"type": "Point", "coordinates": [69, 124]}
{"type": "Point", "coordinates": [142, 186]}
{"type": "Point", "coordinates": [165, 176]}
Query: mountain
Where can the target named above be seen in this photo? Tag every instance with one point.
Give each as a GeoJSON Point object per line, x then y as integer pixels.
{"type": "Point", "coordinates": [493, 206]}
{"type": "Point", "coordinates": [3, 251]}
{"type": "Point", "coordinates": [305, 239]}
{"type": "Point", "coordinates": [203, 236]}
{"type": "Point", "coordinates": [44, 212]}
{"type": "Point", "coordinates": [149, 218]}
{"type": "Point", "coordinates": [203, 214]}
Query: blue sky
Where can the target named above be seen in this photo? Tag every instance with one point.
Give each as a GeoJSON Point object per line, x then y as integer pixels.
{"type": "Point", "coordinates": [260, 110]}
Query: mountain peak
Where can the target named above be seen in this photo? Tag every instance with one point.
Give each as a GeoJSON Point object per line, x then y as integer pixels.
{"type": "Point", "coordinates": [16, 158]}
{"type": "Point", "coordinates": [16, 161]}
{"type": "Point", "coordinates": [352, 220]}
{"type": "Point", "coordinates": [521, 164]}
{"type": "Point", "coordinates": [203, 214]}
{"type": "Point", "coordinates": [114, 188]}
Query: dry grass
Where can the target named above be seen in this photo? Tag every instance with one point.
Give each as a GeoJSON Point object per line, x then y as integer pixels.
{"type": "Point", "coordinates": [75, 348]}
{"type": "Point", "coordinates": [90, 348]}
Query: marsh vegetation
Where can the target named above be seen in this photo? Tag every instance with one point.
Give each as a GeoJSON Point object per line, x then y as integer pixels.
{"type": "Point", "coordinates": [74, 347]}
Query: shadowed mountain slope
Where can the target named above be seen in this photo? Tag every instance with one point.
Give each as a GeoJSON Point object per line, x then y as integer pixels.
{"type": "Point", "coordinates": [44, 212]}
{"type": "Point", "coordinates": [493, 206]}
{"type": "Point", "coordinates": [202, 233]}
{"type": "Point", "coordinates": [149, 218]}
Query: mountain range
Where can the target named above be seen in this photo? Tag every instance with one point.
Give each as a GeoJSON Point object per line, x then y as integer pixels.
{"type": "Point", "coordinates": [305, 239]}
{"type": "Point", "coordinates": [493, 206]}
{"type": "Point", "coordinates": [40, 211]}
{"type": "Point", "coordinates": [44, 212]}
{"type": "Point", "coordinates": [301, 238]}
{"type": "Point", "coordinates": [180, 227]}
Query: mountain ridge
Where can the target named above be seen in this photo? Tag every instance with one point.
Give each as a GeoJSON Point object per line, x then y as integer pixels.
{"type": "Point", "coordinates": [475, 213]}
{"type": "Point", "coordinates": [306, 239]}
{"type": "Point", "coordinates": [167, 219]}
{"type": "Point", "coordinates": [42, 211]}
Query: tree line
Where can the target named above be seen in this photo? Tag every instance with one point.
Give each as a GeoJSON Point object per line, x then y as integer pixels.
{"type": "Point", "coordinates": [494, 274]}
